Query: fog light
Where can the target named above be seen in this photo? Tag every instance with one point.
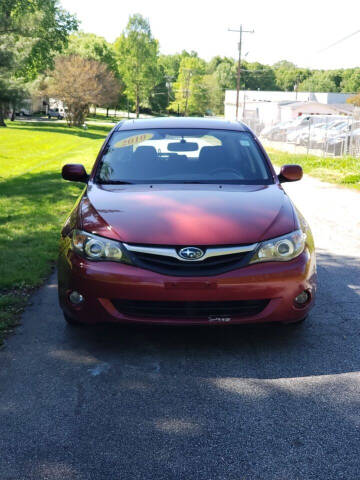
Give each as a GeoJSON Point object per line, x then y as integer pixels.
{"type": "Point", "coordinates": [302, 298]}
{"type": "Point", "coordinates": [76, 298]}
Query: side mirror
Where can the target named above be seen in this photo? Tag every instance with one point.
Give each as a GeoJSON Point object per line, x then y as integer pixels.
{"type": "Point", "coordinates": [290, 173]}
{"type": "Point", "coordinates": [74, 172]}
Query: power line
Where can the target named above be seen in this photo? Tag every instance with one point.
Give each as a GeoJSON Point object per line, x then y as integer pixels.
{"type": "Point", "coordinates": [339, 41]}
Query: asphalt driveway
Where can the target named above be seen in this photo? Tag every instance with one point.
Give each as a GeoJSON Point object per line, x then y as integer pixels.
{"type": "Point", "coordinates": [248, 403]}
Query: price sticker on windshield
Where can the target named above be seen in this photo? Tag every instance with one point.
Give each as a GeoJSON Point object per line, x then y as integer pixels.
{"type": "Point", "coordinates": [133, 140]}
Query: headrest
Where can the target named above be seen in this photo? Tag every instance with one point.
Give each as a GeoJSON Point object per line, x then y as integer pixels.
{"type": "Point", "coordinates": [145, 153]}
{"type": "Point", "coordinates": [211, 154]}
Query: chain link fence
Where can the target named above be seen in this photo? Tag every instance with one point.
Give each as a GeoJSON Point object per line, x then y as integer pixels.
{"type": "Point", "coordinates": [321, 135]}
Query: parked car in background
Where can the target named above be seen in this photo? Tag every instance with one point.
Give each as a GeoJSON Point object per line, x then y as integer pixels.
{"type": "Point", "coordinates": [321, 136]}
{"type": "Point", "coordinates": [276, 132]}
{"type": "Point", "coordinates": [347, 142]}
{"type": "Point", "coordinates": [58, 113]}
{"type": "Point", "coordinates": [305, 121]}
{"type": "Point", "coordinates": [298, 135]}
{"type": "Point", "coordinates": [288, 131]}
{"type": "Point", "coordinates": [184, 221]}
{"type": "Point", "coordinates": [22, 112]}
{"type": "Point", "coordinates": [302, 135]}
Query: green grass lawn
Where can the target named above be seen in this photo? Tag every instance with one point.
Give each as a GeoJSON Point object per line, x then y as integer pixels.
{"type": "Point", "coordinates": [34, 202]}
{"type": "Point", "coordinates": [339, 170]}
{"type": "Point", "coordinates": [101, 117]}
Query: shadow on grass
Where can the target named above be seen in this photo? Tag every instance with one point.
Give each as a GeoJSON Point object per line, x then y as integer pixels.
{"type": "Point", "coordinates": [34, 209]}
{"type": "Point", "coordinates": [36, 187]}
{"type": "Point", "coordinates": [94, 131]}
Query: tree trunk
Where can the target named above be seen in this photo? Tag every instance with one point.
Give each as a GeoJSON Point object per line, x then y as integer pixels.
{"type": "Point", "coordinates": [13, 115]}
{"type": "Point", "coordinates": [2, 115]}
{"type": "Point", "coordinates": [137, 104]}
{"type": "Point", "coordinates": [107, 112]}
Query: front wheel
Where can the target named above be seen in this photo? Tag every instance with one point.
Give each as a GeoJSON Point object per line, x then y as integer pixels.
{"type": "Point", "coordinates": [71, 321]}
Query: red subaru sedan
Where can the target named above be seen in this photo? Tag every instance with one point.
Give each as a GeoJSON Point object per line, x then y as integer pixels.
{"type": "Point", "coordinates": [184, 221]}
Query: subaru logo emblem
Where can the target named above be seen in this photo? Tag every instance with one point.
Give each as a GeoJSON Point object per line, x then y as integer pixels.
{"type": "Point", "coordinates": [191, 253]}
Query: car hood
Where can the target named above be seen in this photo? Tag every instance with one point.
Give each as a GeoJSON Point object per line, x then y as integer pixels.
{"type": "Point", "coordinates": [187, 214]}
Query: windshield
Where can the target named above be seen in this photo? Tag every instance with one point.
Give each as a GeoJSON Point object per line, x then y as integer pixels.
{"type": "Point", "coordinates": [183, 156]}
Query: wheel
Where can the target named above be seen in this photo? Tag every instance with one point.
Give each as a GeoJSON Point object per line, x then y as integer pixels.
{"type": "Point", "coordinates": [71, 321]}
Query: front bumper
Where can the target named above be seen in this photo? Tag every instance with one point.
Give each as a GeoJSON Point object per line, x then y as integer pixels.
{"type": "Point", "coordinates": [102, 283]}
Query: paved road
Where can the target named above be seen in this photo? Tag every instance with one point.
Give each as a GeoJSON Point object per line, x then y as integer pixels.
{"type": "Point", "coordinates": [249, 403]}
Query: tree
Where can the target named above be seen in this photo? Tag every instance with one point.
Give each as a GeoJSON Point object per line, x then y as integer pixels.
{"type": "Point", "coordinates": [320, 81]}
{"type": "Point", "coordinates": [31, 34]}
{"type": "Point", "coordinates": [351, 80]}
{"type": "Point", "coordinates": [94, 47]}
{"type": "Point", "coordinates": [161, 95]}
{"type": "Point", "coordinates": [213, 64]}
{"type": "Point", "coordinates": [191, 92]}
{"type": "Point", "coordinates": [226, 73]}
{"type": "Point", "coordinates": [79, 83]}
{"type": "Point", "coordinates": [287, 79]}
{"type": "Point", "coordinates": [222, 72]}
{"type": "Point", "coordinates": [12, 94]}
{"type": "Point", "coordinates": [355, 100]}
{"type": "Point", "coordinates": [137, 54]}
{"type": "Point", "coordinates": [215, 94]}
{"type": "Point", "coordinates": [169, 66]}
{"type": "Point", "coordinates": [257, 76]}
{"type": "Point", "coordinates": [40, 28]}
{"type": "Point", "coordinates": [285, 64]}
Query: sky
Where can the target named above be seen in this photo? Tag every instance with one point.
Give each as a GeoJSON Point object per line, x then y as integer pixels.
{"type": "Point", "coordinates": [292, 30]}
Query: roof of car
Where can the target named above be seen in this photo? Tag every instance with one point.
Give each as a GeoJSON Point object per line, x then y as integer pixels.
{"type": "Point", "coordinates": [181, 122]}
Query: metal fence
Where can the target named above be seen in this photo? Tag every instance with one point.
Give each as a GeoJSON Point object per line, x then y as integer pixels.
{"type": "Point", "coordinates": [318, 135]}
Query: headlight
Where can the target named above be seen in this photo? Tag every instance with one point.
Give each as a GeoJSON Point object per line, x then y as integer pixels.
{"type": "Point", "coordinates": [281, 249]}
{"type": "Point", "coordinates": [94, 247]}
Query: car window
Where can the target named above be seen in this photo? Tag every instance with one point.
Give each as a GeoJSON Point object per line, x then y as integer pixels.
{"type": "Point", "coordinates": [183, 155]}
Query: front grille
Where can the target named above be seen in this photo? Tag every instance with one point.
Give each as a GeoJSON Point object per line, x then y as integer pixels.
{"type": "Point", "coordinates": [172, 266]}
{"type": "Point", "coordinates": [200, 310]}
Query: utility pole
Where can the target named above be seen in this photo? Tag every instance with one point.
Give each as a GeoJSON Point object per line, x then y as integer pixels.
{"type": "Point", "coordinates": [168, 86]}
{"type": "Point", "coordinates": [240, 31]}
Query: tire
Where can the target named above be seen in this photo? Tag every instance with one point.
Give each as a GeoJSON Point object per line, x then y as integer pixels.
{"type": "Point", "coordinates": [71, 321]}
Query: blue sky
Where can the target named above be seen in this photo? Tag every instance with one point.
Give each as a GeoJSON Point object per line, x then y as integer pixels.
{"type": "Point", "coordinates": [291, 30]}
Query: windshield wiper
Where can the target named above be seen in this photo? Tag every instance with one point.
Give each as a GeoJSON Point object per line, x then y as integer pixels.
{"type": "Point", "coordinates": [189, 181]}
{"type": "Point", "coordinates": [114, 182]}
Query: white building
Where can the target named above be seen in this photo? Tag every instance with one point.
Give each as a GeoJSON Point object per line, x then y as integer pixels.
{"type": "Point", "coordinates": [265, 108]}
{"type": "Point", "coordinates": [293, 110]}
